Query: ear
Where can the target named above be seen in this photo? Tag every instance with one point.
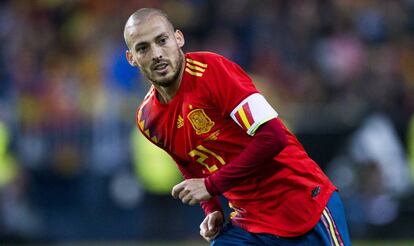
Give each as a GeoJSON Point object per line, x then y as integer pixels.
{"type": "Point", "coordinates": [130, 58]}
{"type": "Point", "coordinates": [179, 36]}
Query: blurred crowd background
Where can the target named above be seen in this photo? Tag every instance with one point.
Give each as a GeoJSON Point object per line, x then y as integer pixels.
{"type": "Point", "coordinates": [73, 167]}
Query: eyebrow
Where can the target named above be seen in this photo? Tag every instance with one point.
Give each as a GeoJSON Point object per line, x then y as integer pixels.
{"type": "Point", "coordinates": [157, 37]}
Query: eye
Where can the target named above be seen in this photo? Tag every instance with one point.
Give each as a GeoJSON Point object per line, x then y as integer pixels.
{"type": "Point", "coordinates": [141, 49]}
{"type": "Point", "coordinates": [163, 40]}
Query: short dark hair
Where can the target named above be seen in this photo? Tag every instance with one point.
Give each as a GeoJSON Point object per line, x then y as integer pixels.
{"type": "Point", "coordinates": [143, 14]}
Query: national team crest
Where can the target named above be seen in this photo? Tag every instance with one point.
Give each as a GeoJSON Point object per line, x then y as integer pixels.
{"type": "Point", "coordinates": [200, 121]}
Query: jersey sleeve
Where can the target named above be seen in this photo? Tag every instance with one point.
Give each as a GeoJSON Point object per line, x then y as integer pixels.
{"type": "Point", "coordinates": [234, 93]}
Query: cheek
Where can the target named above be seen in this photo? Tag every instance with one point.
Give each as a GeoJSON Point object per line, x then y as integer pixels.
{"type": "Point", "coordinates": [143, 63]}
{"type": "Point", "coordinates": [176, 54]}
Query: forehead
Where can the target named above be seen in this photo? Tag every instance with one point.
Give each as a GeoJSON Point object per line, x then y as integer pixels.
{"type": "Point", "coordinates": [146, 30]}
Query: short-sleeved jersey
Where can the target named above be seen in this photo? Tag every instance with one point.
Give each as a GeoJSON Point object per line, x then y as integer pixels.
{"type": "Point", "coordinates": [210, 121]}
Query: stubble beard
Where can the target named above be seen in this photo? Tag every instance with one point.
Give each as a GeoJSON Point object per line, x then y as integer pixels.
{"type": "Point", "coordinates": [171, 80]}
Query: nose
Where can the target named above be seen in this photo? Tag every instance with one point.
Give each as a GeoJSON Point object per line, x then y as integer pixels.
{"type": "Point", "coordinates": [156, 54]}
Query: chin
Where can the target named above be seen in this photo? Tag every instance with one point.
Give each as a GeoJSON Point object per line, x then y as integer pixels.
{"type": "Point", "coordinates": [165, 82]}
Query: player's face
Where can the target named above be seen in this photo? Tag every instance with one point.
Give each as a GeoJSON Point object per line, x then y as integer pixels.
{"type": "Point", "coordinates": [156, 49]}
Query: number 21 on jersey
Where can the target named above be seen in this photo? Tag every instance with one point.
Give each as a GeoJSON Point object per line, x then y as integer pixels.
{"type": "Point", "coordinates": [203, 154]}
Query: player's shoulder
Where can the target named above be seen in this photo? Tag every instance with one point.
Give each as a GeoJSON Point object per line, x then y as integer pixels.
{"type": "Point", "coordinates": [205, 57]}
{"type": "Point", "coordinates": [203, 64]}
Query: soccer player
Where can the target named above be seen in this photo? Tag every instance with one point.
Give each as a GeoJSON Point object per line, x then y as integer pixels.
{"type": "Point", "coordinates": [227, 140]}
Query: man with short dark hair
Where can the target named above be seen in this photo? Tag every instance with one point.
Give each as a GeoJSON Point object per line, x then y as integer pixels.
{"type": "Point", "coordinates": [226, 139]}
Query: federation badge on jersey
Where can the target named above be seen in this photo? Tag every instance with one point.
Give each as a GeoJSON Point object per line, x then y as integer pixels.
{"type": "Point", "coordinates": [252, 112]}
{"type": "Point", "coordinates": [200, 121]}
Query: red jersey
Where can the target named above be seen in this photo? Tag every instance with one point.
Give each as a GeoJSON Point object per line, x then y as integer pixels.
{"type": "Point", "coordinates": [210, 121]}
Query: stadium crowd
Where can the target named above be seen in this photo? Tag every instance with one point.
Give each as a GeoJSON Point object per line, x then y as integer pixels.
{"type": "Point", "coordinates": [341, 73]}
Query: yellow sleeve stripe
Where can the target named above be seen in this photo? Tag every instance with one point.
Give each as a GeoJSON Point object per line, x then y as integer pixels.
{"type": "Point", "coordinates": [331, 228]}
{"type": "Point", "coordinates": [244, 117]}
{"type": "Point", "coordinates": [196, 63]}
{"type": "Point", "coordinates": [193, 73]}
{"type": "Point", "coordinates": [195, 67]}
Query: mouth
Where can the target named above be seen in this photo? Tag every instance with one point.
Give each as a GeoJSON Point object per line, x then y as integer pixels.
{"type": "Point", "coordinates": [160, 67]}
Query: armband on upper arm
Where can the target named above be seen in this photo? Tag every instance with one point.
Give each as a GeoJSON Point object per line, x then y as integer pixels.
{"type": "Point", "coordinates": [252, 112]}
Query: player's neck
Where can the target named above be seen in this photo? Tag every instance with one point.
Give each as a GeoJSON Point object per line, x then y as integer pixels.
{"type": "Point", "coordinates": [166, 94]}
